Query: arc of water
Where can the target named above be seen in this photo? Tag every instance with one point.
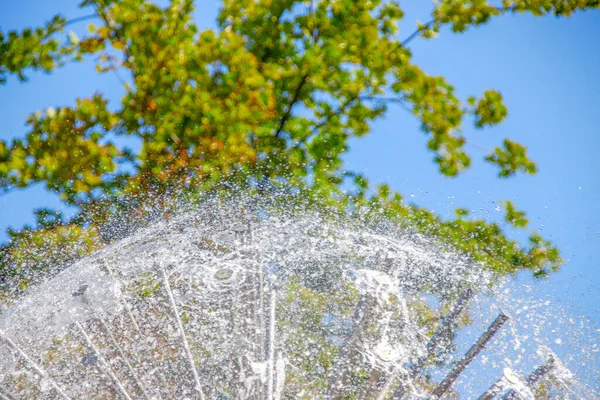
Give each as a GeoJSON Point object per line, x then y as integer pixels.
{"type": "Point", "coordinates": [105, 367]}
{"type": "Point", "coordinates": [42, 372]}
{"type": "Point", "coordinates": [262, 338]}
{"type": "Point", "coordinates": [279, 384]}
{"type": "Point", "coordinates": [6, 395]}
{"type": "Point", "coordinates": [259, 334]}
{"type": "Point", "coordinates": [470, 355]}
{"type": "Point", "coordinates": [123, 357]}
{"type": "Point", "coordinates": [86, 301]}
{"type": "Point", "coordinates": [110, 272]}
{"type": "Point", "coordinates": [260, 309]}
{"type": "Point", "coordinates": [271, 344]}
{"type": "Point", "coordinates": [160, 378]}
{"type": "Point", "coordinates": [359, 313]}
{"type": "Point", "coordinates": [447, 322]}
{"type": "Point", "coordinates": [186, 346]}
{"type": "Point", "coordinates": [108, 333]}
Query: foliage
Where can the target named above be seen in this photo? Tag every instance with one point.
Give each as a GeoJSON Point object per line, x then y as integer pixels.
{"type": "Point", "coordinates": [37, 253]}
{"type": "Point", "coordinates": [270, 97]}
{"type": "Point", "coordinates": [511, 158]}
{"type": "Point", "coordinates": [514, 216]}
{"type": "Point", "coordinates": [482, 240]}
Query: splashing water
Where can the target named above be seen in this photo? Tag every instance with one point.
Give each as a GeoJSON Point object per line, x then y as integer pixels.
{"type": "Point", "coordinates": [220, 304]}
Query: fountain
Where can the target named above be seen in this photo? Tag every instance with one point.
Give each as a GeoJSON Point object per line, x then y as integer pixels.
{"type": "Point", "coordinates": [222, 303]}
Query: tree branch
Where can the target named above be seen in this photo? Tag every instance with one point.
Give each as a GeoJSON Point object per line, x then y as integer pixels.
{"type": "Point", "coordinates": [295, 99]}
{"type": "Point", "coordinates": [340, 110]}
{"type": "Point", "coordinates": [396, 100]}
{"type": "Point", "coordinates": [70, 22]}
{"type": "Point", "coordinates": [416, 33]}
{"type": "Point", "coordinates": [80, 19]}
{"type": "Point", "coordinates": [352, 99]}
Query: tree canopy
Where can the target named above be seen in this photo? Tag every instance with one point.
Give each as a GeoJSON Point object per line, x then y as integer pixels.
{"type": "Point", "coordinates": [271, 97]}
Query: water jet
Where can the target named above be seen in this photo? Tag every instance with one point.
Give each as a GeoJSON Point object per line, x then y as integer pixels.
{"type": "Point", "coordinates": [219, 304]}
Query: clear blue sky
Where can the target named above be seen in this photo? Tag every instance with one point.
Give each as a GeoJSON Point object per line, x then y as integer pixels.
{"type": "Point", "coordinates": [547, 69]}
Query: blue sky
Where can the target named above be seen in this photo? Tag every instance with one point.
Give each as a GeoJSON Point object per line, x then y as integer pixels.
{"type": "Point", "coordinates": [546, 68]}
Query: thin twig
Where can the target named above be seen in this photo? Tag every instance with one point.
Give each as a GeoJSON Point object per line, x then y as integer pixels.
{"type": "Point", "coordinates": [340, 110]}
{"type": "Point", "coordinates": [396, 100]}
{"type": "Point", "coordinates": [6, 395]}
{"type": "Point", "coordinates": [80, 19]}
{"type": "Point", "coordinates": [69, 22]}
{"type": "Point", "coordinates": [416, 33]}
{"type": "Point", "coordinates": [295, 99]}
